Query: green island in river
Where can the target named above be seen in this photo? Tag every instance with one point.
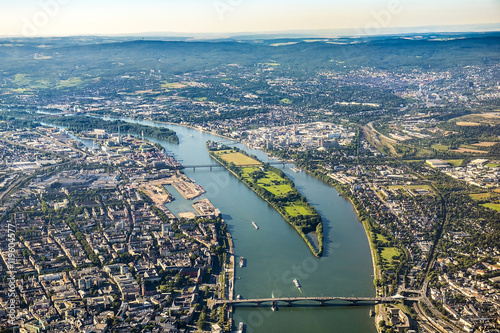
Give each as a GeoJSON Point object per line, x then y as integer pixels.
{"type": "Point", "coordinates": [272, 185]}
{"type": "Point", "coordinates": [78, 123]}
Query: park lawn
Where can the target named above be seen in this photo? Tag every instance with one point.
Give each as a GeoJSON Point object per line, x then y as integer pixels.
{"type": "Point", "coordinates": [493, 165]}
{"type": "Point", "coordinates": [455, 162]}
{"type": "Point", "coordinates": [388, 253]}
{"type": "Point", "coordinates": [246, 171]}
{"type": "Point", "coordinates": [480, 196]}
{"type": "Point", "coordinates": [493, 206]}
{"type": "Point", "coordinates": [278, 190]}
{"type": "Point", "coordinates": [438, 146]}
{"type": "Point", "coordinates": [296, 209]}
{"type": "Point", "coordinates": [236, 158]}
{"type": "Point", "coordinates": [381, 238]}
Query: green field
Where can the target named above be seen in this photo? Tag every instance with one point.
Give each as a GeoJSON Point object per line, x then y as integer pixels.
{"type": "Point", "coordinates": [469, 147]}
{"type": "Point", "coordinates": [493, 206]}
{"type": "Point", "coordinates": [423, 153]}
{"type": "Point", "coordinates": [411, 187]}
{"type": "Point", "coordinates": [236, 158]}
{"type": "Point", "coordinates": [388, 253]}
{"type": "Point", "coordinates": [272, 183]}
{"type": "Point", "coordinates": [421, 187]}
{"type": "Point", "coordinates": [25, 81]}
{"type": "Point", "coordinates": [294, 209]}
{"type": "Point", "coordinates": [493, 165]}
{"type": "Point", "coordinates": [455, 162]}
{"type": "Point", "coordinates": [480, 196]}
{"type": "Point", "coordinates": [381, 238]}
{"type": "Point", "coordinates": [440, 147]}
{"type": "Point", "coordinates": [71, 82]}
{"type": "Point", "coordinates": [172, 85]}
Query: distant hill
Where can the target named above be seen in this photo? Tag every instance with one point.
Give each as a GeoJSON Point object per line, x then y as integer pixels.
{"type": "Point", "coordinates": [85, 54]}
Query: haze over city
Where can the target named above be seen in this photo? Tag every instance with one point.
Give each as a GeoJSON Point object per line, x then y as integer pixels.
{"type": "Point", "coordinates": [75, 17]}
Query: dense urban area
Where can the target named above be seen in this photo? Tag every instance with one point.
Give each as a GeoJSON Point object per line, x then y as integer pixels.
{"type": "Point", "coordinates": [406, 128]}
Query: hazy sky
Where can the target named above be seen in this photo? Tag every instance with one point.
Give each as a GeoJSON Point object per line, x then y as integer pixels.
{"type": "Point", "coordinates": [84, 17]}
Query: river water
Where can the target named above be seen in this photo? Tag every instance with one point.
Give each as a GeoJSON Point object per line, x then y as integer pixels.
{"type": "Point", "coordinates": [275, 254]}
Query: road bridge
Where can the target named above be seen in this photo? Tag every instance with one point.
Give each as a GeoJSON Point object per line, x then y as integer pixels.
{"type": "Point", "coordinates": [320, 300]}
{"type": "Point", "coordinates": [210, 166]}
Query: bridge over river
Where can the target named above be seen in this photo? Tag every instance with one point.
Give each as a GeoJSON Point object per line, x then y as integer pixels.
{"type": "Point", "coordinates": [210, 166]}
{"type": "Point", "coordinates": [320, 300]}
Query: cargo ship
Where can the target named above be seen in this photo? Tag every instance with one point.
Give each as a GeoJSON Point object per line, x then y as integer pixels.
{"type": "Point", "coordinates": [297, 283]}
{"type": "Point", "coordinates": [240, 327]}
{"type": "Point", "coordinates": [242, 261]}
{"type": "Point", "coordinates": [255, 225]}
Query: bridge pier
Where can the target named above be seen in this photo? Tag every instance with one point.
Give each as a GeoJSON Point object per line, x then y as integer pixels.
{"type": "Point", "coordinates": [194, 168]}
{"type": "Point", "coordinates": [210, 168]}
{"type": "Point", "coordinates": [257, 304]}
{"type": "Point", "coordinates": [353, 302]}
{"type": "Point", "coordinates": [321, 303]}
{"type": "Point", "coordinates": [289, 303]}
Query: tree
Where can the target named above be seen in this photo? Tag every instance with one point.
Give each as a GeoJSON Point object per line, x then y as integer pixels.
{"type": "Point", "coordinates": [202, 320]}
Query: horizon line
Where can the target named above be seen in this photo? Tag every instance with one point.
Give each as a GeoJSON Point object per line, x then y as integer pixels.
{"type": "Point", "coordinates": [308, 33]}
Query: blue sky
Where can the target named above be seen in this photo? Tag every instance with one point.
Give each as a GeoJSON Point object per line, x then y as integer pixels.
{"type": "Point", "coordinates": [83, 17]}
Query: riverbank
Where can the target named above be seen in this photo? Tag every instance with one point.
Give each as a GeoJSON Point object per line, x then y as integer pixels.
{"type": "Point", "coordinates": [275, 249]}
{"type": "Point", "coordinates": [364, 222]}
{"type": "Point", "coordinates": [306, 216]}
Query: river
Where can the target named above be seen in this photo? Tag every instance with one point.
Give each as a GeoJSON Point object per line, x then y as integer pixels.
{"type": "Point", "coordinates": [275, 254]}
